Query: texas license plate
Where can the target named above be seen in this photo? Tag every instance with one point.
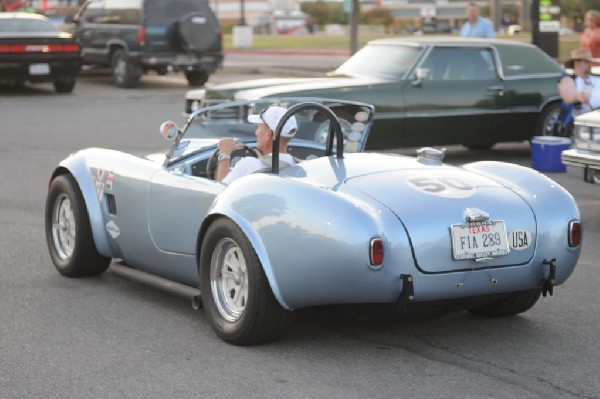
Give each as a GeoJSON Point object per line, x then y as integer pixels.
{"type": "Point", "coordinates": [479, 240]}
{"type": "Point", "coordinates": [39, 69]}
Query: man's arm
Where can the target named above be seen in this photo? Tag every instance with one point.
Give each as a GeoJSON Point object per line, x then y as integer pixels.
{"type": "Point", "coordinates": [223, 168]}
{"type": "Point", "coordinates": [226, 148]}
{"type": "Point", "coordinates": [568, 89]}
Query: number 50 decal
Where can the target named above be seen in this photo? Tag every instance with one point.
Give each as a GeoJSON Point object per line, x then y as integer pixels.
{"type": "Point", "coordinates": [442, 186]}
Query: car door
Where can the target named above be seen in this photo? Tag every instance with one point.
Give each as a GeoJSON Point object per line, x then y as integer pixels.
{"type": "Point", "coordinates": [177, 205]}
{"type": "Point", "coordinates": [89, 21]}
{"type": "Point", "coordinates": [461, 102]}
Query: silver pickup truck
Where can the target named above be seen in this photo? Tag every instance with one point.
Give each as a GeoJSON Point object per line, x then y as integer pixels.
{"type": "Point", "coordinates": [585, 151]}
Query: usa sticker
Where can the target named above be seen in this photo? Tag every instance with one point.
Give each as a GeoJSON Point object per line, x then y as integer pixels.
{"type": "Point", "coordinates": [113, 229]}
{"type": "Point", "coordinates": [520, 239]}
{"type": "Point", "coordinates": [109, 181]}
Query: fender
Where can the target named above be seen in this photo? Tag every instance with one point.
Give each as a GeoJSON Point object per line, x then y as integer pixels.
{"type": "Point", "coordinates": [548, 199]}
{"type": "Point", "coordinates": [76, 164]}
{"type": "Point", "coordinates": [219, 210]}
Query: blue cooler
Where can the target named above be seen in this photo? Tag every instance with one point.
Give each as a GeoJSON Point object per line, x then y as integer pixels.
{"type": "Point", "coordinates": [545, 153]}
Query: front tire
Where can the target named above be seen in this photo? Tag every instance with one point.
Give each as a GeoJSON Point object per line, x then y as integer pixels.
{"type": "Point", "coordinates": [196, 78]}
{"type": "Point", "coordinates": [236, 294]}
{"type": "Point", "coordinates": [68, 232]}
{"type": "Point", "coordinates": [514, 303]}
{"type": "Point", "coordinates": [124, 73]}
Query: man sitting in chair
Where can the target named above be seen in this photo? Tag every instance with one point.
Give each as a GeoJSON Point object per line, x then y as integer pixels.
{"type": "Point", "coordinates": [267, 122]}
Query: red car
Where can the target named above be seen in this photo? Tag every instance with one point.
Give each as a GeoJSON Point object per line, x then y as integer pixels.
{"type": "Point", "coordinates": [33, 50]}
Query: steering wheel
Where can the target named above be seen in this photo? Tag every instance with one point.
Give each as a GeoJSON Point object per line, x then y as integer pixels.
{"type": "Point", "coordinates": [211, 164]}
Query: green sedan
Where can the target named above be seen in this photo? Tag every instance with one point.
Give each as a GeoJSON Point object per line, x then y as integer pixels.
{"type": "Point", "coordinates": [429, 91]}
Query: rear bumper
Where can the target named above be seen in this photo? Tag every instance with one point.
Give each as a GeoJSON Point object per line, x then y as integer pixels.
{"type": "Point", "coordinates": [181, 62]}
{"type": "Point", "coordinates": [20, 70]}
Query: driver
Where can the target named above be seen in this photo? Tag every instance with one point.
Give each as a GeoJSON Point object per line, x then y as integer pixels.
{"type": "Point", "coordinates": [267, 122]}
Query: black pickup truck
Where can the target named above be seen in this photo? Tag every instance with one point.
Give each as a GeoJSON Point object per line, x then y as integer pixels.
{"type": "Point", "coordinates": [132, 37]}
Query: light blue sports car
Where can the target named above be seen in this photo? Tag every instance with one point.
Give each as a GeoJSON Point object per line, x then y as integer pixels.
{"type": "Point", "coordinates": [340, 227]}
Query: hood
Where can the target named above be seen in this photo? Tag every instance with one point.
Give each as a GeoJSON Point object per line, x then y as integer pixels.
{"type": "Point", "coordinates": [253, 89]}
{"type": "Point", "coordinates": [308, 87]}
{"type": "Point", "coordinates": [429, 201]}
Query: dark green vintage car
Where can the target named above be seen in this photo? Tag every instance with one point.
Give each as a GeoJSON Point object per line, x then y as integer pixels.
{"type": "Point", "coordinates": [430, 91]}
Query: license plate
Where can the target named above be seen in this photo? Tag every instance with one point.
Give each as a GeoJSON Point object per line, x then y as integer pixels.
{"type": "Point", "coordinates": [479, 240]}
{"type": "Point", "coordinates": [39, 69]}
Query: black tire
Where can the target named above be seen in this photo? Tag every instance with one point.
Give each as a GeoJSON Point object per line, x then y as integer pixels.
{"type": "Point", "coordinates": [196, 78]}
{"type": "Point", "coordinates": [480, 147]}
{"type": "Point", "coordinates": [514, 303]}
{"type": "Point", "coordinates": [545, 125]}
{"type": "Point", "coordinates": [65, 85]}
{"type": "Point", "coordinates": [591, 175]}
{"type": "Point", "coordinates": [124, 73]}
{"type": "Point", "coordinates": [162, 71]}
{"type": "Point", "coordinates": [68, 232]}
{"type": "Point", "coordinates": [255, 316]}
{"type": "Point", "coordinates": [199, 31]}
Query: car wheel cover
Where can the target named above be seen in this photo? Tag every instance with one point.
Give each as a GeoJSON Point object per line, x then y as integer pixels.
{"type": "Point", "coordinates": [120, 70]}
{"type": "Point", "coordinates": [229, 279]}
{"type": "Point", "coordinates": [63, 227]}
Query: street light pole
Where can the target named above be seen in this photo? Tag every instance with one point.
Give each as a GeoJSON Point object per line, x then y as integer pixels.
{"type": "Point", "coordinates": [242, 14]}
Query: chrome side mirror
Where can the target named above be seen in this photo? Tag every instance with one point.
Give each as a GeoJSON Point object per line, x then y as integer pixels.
{"type": "Point", "coordinates": [169, 130]}
{"type": "Point", "coordinates": [421, 74]}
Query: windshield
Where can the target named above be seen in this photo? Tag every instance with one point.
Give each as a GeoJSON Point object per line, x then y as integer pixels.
{"type": "Point", "coordinates": [25, 25]}
{"type": "Point", "coordinates": [381, 60]}
{"type": "Point", "coordinates": [206, 126]}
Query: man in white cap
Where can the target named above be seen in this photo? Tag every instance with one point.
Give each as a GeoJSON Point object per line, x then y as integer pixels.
{"type": "Point", "coordinates": [267, 122]}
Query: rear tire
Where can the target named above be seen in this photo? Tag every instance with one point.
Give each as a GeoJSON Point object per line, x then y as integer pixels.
{"type": "Point", "coordinates": [547, 119]}
{"type": "Point", "coordinates": [196, 78]}
{"type": "Point", "coordinates": [514, 303]}
{"type": "Point", "coordinates": [68, 232]}
{"type": "Point", "coordinates": [65, 85]}
{"type": "Point", "coordinates": [236, 294]}
{"type": "Point", "coordinates": [124, 73]}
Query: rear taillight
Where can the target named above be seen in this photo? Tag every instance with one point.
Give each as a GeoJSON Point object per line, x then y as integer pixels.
{"type": "Point", "coordinates": [142, 36]}
{"type": "Point", "coordinates": [376, 252]}
{"type": "Point", "coordinates": [574, 233]}
{"type": "Point", "coordinates": [40, 48]}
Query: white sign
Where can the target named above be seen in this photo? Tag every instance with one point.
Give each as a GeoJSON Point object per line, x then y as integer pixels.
{"type": "Point", "coordinates": [549, 26]}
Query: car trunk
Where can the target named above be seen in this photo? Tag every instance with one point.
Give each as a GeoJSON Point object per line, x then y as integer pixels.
{"type": "Point", "coordinates": [428, 202]}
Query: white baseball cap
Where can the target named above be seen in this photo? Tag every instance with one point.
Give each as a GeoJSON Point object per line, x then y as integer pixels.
{"type": "Point", "coordinates": [271, 117]}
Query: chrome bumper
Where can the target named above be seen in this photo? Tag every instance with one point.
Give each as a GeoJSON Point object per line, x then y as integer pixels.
{"type": "Point", "coordinates": [581, 158]}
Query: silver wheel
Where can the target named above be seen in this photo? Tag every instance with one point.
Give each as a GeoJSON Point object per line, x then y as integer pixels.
{"type": "Point", "coordinates": [120, 70]}
{"type": "Point", "coordinates": [63, 227]}
{"type": "Point", "coordinates": [229, 279]}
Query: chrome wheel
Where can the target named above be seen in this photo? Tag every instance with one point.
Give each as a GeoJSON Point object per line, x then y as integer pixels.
{"type": "Point", "coordinates": [120, 70]}
{"type": "Point", "coordinates": [229, 279]}
{"type": "Point", "coordinates": [63, 227]}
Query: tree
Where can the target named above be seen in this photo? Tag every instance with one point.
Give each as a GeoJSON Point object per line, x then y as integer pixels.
{"type": "Point", "coordinates": [377, 16]}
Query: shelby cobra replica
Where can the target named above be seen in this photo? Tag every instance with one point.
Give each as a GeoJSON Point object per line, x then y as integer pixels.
{"type": "Point", "coordinates": [339, 227]}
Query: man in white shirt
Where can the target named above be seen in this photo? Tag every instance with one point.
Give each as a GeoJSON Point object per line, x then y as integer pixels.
{"type": "Point", "coordinates": [267, 122]}
{"type": "Point", "coordinates": [582, 89]}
